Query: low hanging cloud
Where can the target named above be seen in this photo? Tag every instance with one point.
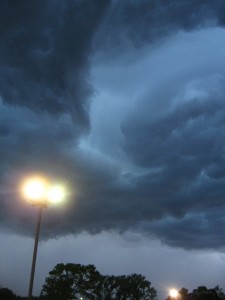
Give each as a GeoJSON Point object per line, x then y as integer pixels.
{"type": "Point", "coordinates": [133, 24]}
{"type": "Point", "coordinates": [153, 160]}
{"type": "Point", "coordinates": [45, 55]}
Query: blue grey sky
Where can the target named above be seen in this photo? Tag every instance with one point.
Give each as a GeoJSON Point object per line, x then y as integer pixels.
{"type": "Point", "coordinates": [122, 101]}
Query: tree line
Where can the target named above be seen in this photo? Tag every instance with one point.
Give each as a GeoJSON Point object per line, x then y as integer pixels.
{"type": "Point", "coordinates": [75, 282]}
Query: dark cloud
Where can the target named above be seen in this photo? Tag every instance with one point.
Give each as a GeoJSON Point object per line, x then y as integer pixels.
{"type": "Point", "coordinates": [44, 55]}
{"type": "Point", "coordinates": [134, 23]}
{"type": "Point", "coordinates": [169, 181]}
{"type": "Point", "coordinates": [196, 230]}
{"type": "Point", "coordinates": [184, 148]}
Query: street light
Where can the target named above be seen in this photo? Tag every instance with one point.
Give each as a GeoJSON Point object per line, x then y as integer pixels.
{"type": "Point", "coordinates": [174, 294]}
{"type": "Point", "coordinates": [40, 192]}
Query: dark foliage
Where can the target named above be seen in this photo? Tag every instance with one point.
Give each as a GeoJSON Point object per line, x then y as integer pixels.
{"type": "Point", "coordinates": [75, 281]}
{"type": "Point", "coordinates": [7, 294]}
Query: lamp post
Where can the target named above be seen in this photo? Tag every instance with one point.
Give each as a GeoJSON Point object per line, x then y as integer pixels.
{"type": "Point", "coordinates": [40, 193]}
{"type": "Point", "coordinates": [37, 233]}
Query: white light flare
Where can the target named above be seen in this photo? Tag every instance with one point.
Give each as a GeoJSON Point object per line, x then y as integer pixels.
{"type": "Point", "coordinates": [41, 192]}
{"type": "Point", "coordinates": [56, 194]}
{"type": "Point", "coordinates": [34, 189]}
{"type": "Point", "coordinates": [174, 293]}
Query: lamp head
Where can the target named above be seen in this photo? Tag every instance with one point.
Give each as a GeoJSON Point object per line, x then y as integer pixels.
{"type": "Point", "coordinates": [40, 192]}
{"type": "Point", "coordinates": [56, 194]}
{"type": "Point", "coordinates": [174, 293]}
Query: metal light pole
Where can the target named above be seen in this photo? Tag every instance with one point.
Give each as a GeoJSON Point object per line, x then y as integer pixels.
{"type": "Point", "coordinates": [40, 193]}
{"type": "Point", "coordinates": [37, 233]}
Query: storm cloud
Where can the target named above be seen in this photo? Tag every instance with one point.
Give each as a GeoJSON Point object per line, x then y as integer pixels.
{"type": "Point", "coordinates": [45, 48]}
{"type": "Point", "coordinates": [124, 102]}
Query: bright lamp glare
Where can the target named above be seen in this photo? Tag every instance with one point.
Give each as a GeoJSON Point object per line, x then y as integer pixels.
{"type": "Point", "coordinates": [34, 189]}
{"type": "Point", "coordinates": [173, 293]}
{"type": "Point", "coordinates": [56, 194]}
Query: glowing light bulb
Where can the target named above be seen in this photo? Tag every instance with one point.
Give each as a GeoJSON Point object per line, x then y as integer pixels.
{"type": "Point", "coordinates": [173, 293]}
{"type": "Point", "coordinates": [56, 194]}
{"type": "Point", "coordinates": [34, 189]}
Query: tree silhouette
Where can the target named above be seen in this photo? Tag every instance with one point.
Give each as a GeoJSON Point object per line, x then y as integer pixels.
{"type": "Point", "coordinates": [202, 293]}
{"type": "Point", "coordinates": [7, 294]}
{"type": "Point", "coordinates": [71, 281]}
{"type": "Point", "coordinates": [75, 281]}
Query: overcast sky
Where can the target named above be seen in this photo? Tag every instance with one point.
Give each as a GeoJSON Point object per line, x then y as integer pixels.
{"type": "Point", "coordinates": [123, 102]}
